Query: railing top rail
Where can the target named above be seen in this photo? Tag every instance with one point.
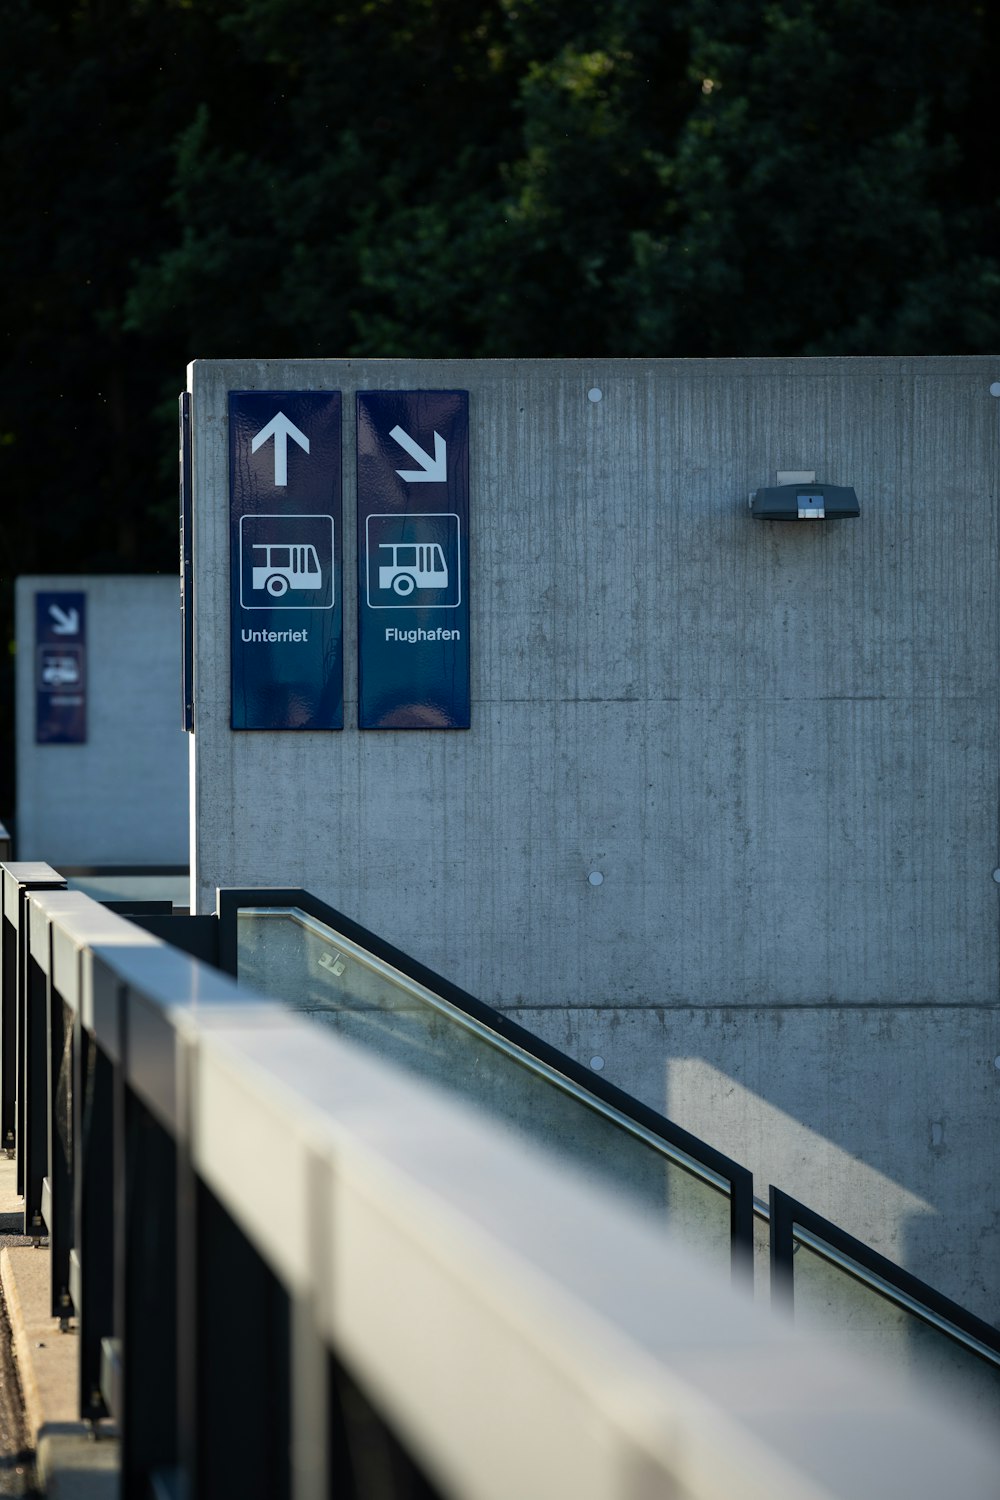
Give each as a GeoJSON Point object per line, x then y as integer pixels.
{"type": "Point", "coordinates": [42, 905]}
{"type": "Point", "coordinates": [20, 874]}
{"type": "Point", "coordinates": [96, 953]}
{"type": "Point", "coordinates": [84, 927]}
{"type": "Point", "coordinates": [84, 921]}
{"type": "Point", "coordinates": [30, 871]}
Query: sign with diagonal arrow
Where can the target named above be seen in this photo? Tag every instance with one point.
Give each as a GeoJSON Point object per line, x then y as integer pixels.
{"type": "Point", "coordinates": [413, 560]}
{"type": "Point", "coordinates": [60, 668]}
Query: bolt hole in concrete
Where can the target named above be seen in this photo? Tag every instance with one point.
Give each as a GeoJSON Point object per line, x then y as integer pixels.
{"type": "Point", "coordinates": [996, 876]}
{"type": "Point", "coordinates": [597, 1063]}
{"type": "Point", "coordinates": [595, 393]}
{"type": "Point", "coordinates": [995, 388]}
{"type": "Point", "coordinates": [595, 877]}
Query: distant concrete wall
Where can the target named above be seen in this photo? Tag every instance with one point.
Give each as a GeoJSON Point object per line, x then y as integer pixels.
{"type": "Point", "coordinates": [121, 798]}
{"type": "Point", "coordinates": [776, 743]}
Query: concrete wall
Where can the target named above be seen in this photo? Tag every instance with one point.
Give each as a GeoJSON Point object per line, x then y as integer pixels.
{"type": "Point", "coordinates": [776, 743]}
{"type": "Point", "coordinates": [121, 798]}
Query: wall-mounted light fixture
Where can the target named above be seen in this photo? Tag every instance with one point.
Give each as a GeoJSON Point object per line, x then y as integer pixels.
{"type": "Point", "coordinates": [805, 501]}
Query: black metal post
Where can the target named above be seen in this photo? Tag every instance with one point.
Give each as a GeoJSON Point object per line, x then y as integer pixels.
{"type": "Point", "coordinates": [243, 1326]}
{"type": "Point", "coordinates": [59, 1092]}
{"type": "Point", "coordinates": [148, 1301]}
{"type": "Point", "coordinates": [93, 1212]}
{"type": "Point", "coordinates": [188, 1373]}
{"type": "Point", "coordinates": [42, 879]}
{"type": "Point", "coordinates": [34, 1133]}
{"type": "Point", "coordinates": [782, 1251]}
{"type": "Point", "coordinates": [8, 1032]}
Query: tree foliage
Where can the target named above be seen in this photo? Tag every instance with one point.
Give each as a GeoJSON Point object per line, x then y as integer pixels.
{"type": "Point", "coordinates": [207, 178]}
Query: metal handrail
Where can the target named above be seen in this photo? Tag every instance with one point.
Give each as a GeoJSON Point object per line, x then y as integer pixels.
{"type": "Point", "coordinates": [887, 1282]}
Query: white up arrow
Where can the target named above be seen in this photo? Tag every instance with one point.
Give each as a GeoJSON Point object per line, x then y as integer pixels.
{"type": "Point", "coordinates": [432, 470]}
{"type": "Point", "coordinates": [65, 621]}
{"type": "Point", "coordinates": [281, 429]}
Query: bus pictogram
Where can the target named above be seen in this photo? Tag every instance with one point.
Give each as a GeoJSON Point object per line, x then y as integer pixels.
{"type": "Point", "coordinates": [413, 565]}
{"type": "Point", "coordinates": [287, 561]}
{"type": "Point", "coordinates": [284, 567]}
{"type": "Point", "coordinates": [413, 560]}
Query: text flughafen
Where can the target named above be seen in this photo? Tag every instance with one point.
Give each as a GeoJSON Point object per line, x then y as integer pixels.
{"type": "Point", "coordinates": [439, 633]}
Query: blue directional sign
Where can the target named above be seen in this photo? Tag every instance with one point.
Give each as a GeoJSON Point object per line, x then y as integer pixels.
{"type": "Point", "coordinates": [60, 668]}
{"type": "Point", "coordinates": [285, 560]}
{"type": "Point", "coordinates": [413, 560]}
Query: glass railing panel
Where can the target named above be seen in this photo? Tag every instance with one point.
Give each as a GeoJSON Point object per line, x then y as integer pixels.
{"type": "Point", "coordinates": [865, 1319]}
{"type": "Point", "coordinates": [294, 957]}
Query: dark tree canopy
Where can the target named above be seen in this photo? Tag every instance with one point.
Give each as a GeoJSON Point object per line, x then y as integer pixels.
{"type": "Point", "coordinates": [205, 178]}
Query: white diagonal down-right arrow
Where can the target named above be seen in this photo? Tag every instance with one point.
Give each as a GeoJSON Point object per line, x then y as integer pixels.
{"type": "Point", "coordinates": [65, 621]}
{"type": "Point", "coordinates": [432, 470]}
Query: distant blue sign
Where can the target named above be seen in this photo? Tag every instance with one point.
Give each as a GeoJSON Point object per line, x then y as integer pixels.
{"type": "Point", "coordinates": [60, 668]}
{"type": "Point", "coordinates": [285, 560]}
{"type": "Point", "coordinates": [413, 560]}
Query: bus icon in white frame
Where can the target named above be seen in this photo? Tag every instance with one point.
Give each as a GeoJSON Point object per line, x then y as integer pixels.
{"type": "Point", "coordinates": [414, 560]}
{"type": "Point", "coordinates": [286, 562]}
{"type": "Point", "coordinates": [412, 565]}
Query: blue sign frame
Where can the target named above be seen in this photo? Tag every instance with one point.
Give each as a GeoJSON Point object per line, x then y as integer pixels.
{"type": "Point", "coordinates": [413, 560]}
{"type": "Point", "coordinates": [60, 668]}
{"type": "Point", "coordinates": [286, 540]}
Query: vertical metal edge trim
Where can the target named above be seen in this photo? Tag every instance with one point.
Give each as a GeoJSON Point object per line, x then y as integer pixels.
{"type": "Point", "coordinates": [186, 564]}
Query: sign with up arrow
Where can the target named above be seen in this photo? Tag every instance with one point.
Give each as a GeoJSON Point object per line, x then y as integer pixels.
{"type": "Point", "coordinates": [60, 668]}
{"type": "Point", "coordinates": [286, 613]}
{"type": "Point", "coordinates": [413, 560]}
